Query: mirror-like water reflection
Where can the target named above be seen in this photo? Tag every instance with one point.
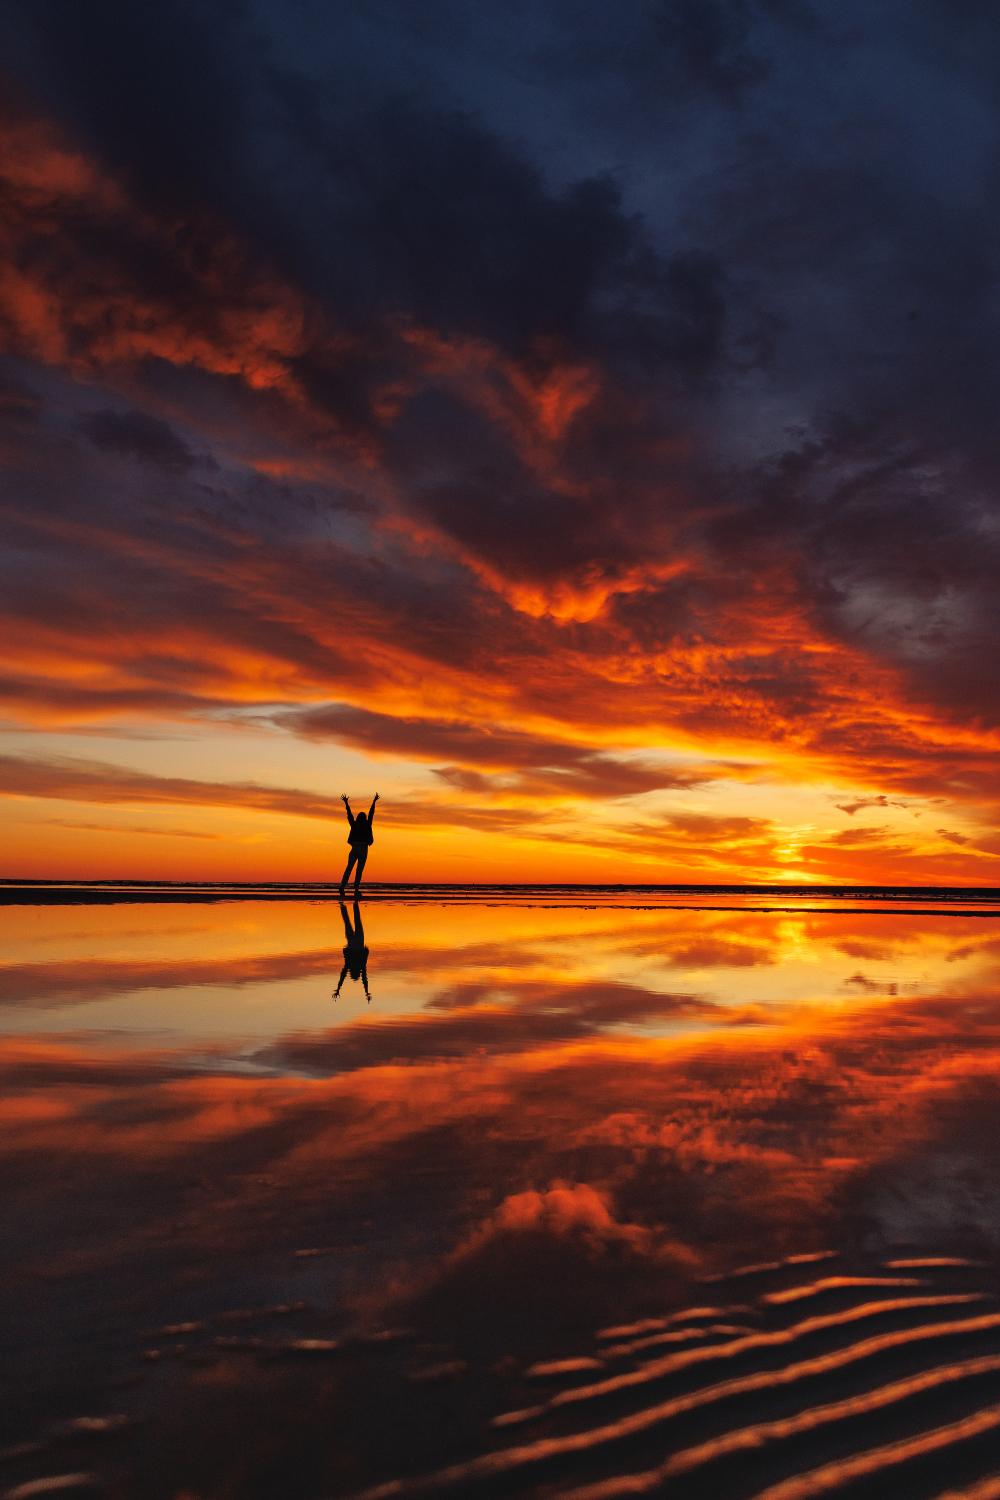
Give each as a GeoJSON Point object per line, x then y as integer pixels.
{"type": "Point", "coordinates": [260, 970]}
{"type": "Point", "coordinates": [549, 1118]}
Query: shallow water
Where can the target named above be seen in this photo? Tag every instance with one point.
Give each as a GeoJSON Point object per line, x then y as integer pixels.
{"type": "Point", "coordinates": [561, 1110]}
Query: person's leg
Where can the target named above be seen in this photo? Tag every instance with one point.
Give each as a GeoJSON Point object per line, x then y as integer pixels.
{"type": "Point", "coordinates": [362, 860]}
{"type": "Point", "coordinates": [347, 873]}
{"type": "Point", "coordinates": [348, 929]}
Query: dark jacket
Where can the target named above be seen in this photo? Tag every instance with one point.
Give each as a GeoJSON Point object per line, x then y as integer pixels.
{"type": "Point", "coordinates": [361, 833]}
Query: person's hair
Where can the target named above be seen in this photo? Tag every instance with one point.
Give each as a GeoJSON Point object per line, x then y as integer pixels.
{"type": "Point", "coordinates": [361, 817]}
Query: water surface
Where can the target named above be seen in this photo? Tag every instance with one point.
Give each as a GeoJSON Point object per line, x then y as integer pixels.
{"type": "Point", "coordinates": [560, 1110]}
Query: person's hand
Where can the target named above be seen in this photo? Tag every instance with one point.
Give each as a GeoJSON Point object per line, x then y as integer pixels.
{"type": "Point", "coordinates": [376, 796]}
{"type": "Point", "coordinates": [343, 798]}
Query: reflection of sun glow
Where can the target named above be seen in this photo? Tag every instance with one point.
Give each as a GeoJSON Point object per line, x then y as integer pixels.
{"type": "Point", "coordinates": [238, 967]}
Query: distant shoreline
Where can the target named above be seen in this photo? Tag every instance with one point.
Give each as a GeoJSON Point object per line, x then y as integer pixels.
{"type": "Point", "coordinates": [951, 900]}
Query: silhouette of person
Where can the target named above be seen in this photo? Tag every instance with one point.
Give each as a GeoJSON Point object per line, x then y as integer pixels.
{"type": "Point", "coordinates": [359, 838]}
{"type": "Point", "coordinates": [355, 954]}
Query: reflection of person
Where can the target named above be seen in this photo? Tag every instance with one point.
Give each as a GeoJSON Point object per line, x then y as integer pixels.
{"type": "Point", "coordinates": [359, 838]}
{"type": "Point", "coordinates": [355, 954]}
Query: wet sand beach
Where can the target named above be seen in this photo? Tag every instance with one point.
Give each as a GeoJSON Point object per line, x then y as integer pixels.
{"type": "Point", "coordinates": [606, 1191]}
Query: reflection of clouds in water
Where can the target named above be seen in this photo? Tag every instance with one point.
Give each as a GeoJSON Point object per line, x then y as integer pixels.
{"type": "Point", "coordinates": [497, 1177]}
{"type": "Point", "coordinates": [450, 959]}
{"type": "Point", "coordinates": [476, 1019]}
{"type": "Point", "coordinates": [682, 1131]}
{"type": "Point", "coordinates": [76, 981]}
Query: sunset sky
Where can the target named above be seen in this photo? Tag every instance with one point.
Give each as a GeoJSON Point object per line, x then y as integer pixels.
{"type": "Point", "coordinates": [576, 422]}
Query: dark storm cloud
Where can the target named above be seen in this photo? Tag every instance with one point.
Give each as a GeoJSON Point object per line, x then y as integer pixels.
{"type": "Point", "coordinates": [678, 47]}
{"type": "Point", "coordinates": [140, 436]}
{"type": "Point", "coordinates": [364, 156]}
{"type": "Point", "coordinates": [18, 402]}
{"type": "Point", "coordinates": [643, 314]}
{"type": "Point", "coordinates": [373, 193]}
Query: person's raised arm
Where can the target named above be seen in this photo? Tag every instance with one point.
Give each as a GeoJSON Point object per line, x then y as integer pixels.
{"type": "Point", "coordinates": [350, 815]}
{"type": "Point", "coordinates": [340, 986]}
{"type": "Point", "coordinates": [371, 812]}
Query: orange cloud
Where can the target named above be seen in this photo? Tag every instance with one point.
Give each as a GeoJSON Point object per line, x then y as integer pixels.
{"type": "Point", "coordinates": [574, 1211]}
{"type": "Point", "coordinates": [568, 598]}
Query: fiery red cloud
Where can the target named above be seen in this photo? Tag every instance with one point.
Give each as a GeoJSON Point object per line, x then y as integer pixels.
{"type": "Point", "coordinates": [511, 553]}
